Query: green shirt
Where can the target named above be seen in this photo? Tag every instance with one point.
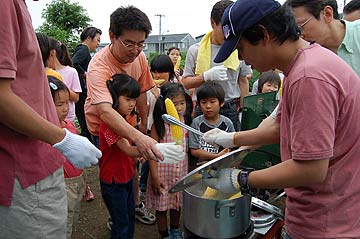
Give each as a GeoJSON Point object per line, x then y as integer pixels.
{"type": "Point", "coordinates": [349, 49]}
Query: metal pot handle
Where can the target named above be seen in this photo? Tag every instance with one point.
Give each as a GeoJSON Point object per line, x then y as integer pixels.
{"type": "Point", "coordinates": [220, 204]}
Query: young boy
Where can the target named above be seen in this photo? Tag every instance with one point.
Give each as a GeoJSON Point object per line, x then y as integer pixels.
{"type": "Point", "coordinates": [210, 97]}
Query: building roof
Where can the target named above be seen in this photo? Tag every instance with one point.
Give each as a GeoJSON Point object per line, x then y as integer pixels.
{"type": "Point", "coordinates": [168, 38]}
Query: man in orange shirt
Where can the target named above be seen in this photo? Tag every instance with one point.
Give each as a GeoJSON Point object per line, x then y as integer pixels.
{"type": "Point", "coordinates": [129, 27]}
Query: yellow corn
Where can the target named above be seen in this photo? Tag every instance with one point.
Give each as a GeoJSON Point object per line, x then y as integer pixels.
{"type": "Point", "coordinates": [177, 65]}
{"type": "Point", "coordinates": [236, 195]}
{"type": "Point", "coordinates": [211, 193]}
{"type": "Point", "coordinates": [176, 130]}
{"type": "Point", "coordinates": [158, 82]}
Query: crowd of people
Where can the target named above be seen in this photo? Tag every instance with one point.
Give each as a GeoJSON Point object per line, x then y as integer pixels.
{"type": "Point", "coordinates": [302, 48]}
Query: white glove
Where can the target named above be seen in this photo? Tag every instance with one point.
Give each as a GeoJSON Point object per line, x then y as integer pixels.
{"type": "Point", "coordinates": [217, 73]}
{"type": "Point", "coordinates": [225, 180]}
{"type": "Point", "coordinates": [173, 153]}
{"type": "Point", "coordinates": [78, 150]}
{"type": "Point", "coordinates": [219, 137]}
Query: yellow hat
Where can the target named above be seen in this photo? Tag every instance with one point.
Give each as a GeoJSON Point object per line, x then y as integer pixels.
{"type": "Point", "coordinates": [51, 72]}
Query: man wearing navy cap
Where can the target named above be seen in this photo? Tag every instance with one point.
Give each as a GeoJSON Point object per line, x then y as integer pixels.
{"type": "Point", "coordinates": [316, 125]}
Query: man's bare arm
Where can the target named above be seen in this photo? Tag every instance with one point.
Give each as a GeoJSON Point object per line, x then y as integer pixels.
{"type": "Point", "coordinates": [19, 116]}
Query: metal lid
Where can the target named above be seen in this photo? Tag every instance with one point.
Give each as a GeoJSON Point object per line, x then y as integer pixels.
{"type": "Point", "coordinates": [262, 218]}
{"type": "Point", "coordinates": [228, 160]}
{"type": "Point", "coordinates": [267, 207]}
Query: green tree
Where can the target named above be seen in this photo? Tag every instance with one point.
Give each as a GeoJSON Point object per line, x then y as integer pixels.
{"type": "Point", "coordinates": [64, 21]}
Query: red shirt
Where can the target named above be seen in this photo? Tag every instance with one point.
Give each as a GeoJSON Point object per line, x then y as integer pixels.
{"type": "Point", "coordinates": [27, 159]}
{"type": "Point", "coordinates": [115, 165]}
{"type": "Point", "coordinates": [319, 118]}
{"type": "Point", "coordinates": [70, 171]}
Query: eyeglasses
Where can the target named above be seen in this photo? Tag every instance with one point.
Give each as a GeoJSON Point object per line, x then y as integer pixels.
{"type": "Point", "coordinates": [301, 26]}
{"type": "Point", "coordinates": [131, 46]}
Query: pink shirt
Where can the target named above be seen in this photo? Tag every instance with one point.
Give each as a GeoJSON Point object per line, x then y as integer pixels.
{"type": "Point", "coordinates": [169, 175]}
{"type": "Point", "coordinates": [27, 159]}
{"type": "Point", "coordinates": [319, 118]}
{"type": "Point", "coordinates": [71, 80]}
{"type": "Point", "coordinates": [102, 66]}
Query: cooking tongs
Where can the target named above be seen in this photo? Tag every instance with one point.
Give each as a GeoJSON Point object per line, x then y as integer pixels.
{"type": "Point", "coordinates": [172, 120]}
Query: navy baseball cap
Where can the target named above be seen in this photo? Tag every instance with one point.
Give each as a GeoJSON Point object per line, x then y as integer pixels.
{"type": "Point", "coordinates": [237, 18]}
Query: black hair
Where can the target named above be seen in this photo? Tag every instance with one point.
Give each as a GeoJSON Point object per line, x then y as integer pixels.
{"type": "Point", "coordinates": [63, 55]}
{"type": "Point", "coordinates": [162, 64]}
{"type": "Point", "coordinates": [210, 89]}
{"type": "Point", "coordinates": [172, 48]}
{"type": "Point", "coordinates": [268, 76]}
{"type": "Point", "coordinates": [53, 43]}
{"type": "Point", "coordinates": [351, 6]}
{"type": "Point", "coordinates": [122, 85]}
{"type": "Point", "coordinates": [280, 24]}
{"type": "Point", "coordinates": [43, 42]}
{"type": "Point", "coordinates": [62, 52]}
{"type": "Point", "coordinates": [89, 32]}
{"type": "Point", "coordinates": [56, 85]}
{"type": "Point", "coordinates": [218, 10]}
{"type": "Point", "coordinates": [170, 90]}
{"type": "Point", "coordinates": [129, 18]}
{"type": "Point", "coordinates": [314, 7]}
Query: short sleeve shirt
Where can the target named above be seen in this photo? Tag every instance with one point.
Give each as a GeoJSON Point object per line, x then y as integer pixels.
{"type": "Point", "coordinates": [102, 66]}
{"type": "Point", "coordinates": [71, 80]}
{"type": "Point", "coordinates": [115, 165]}
{"type": "Point", "coordinates": [23, 157]}
{"type": "Point", "coordinates": [231, 87]}
{"type": "Point", "coordinates": [201, 124]}
{"type": "Point", "coordinates": [319, 117]}
{"type": "Point", "coordinates": [349, 49]}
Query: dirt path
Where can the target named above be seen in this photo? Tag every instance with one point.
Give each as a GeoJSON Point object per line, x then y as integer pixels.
{"type": "Point", "coordinates": [94, 215]}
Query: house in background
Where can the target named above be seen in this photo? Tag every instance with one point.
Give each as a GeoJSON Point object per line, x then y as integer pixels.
{"type": "Point", "coordinates": [157, 43]}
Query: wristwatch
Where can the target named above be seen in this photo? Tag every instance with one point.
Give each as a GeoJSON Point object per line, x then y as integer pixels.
{"type": "Point", "coordinates": [243, 177]}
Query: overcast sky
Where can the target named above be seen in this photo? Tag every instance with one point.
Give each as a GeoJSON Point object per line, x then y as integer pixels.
{"type": "Point", "coordinates": [181, 16]}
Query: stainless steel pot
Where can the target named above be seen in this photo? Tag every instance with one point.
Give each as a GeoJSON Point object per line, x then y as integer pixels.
{"type": "Point", "coordinates": [215, 218]}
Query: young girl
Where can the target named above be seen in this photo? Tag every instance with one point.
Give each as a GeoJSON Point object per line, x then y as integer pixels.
{"type": "Point", "coordinates": [74, 181]}
{"type": "Point", "coordinates": [162, 175]}
{"type": "Point", "coordinates": [59, 59]}
{"type": "Point", "coordinates": [117, 162]}
{"type": "Point", "coordinates": [174, 54]}
{"type": "Point", "coordinates": [162, 70]}
{"type": "Point", "coordinates": [62, 63]}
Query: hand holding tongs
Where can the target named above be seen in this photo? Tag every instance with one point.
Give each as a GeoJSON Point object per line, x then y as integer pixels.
{"type": "Point", "coordinates": [172, 120]}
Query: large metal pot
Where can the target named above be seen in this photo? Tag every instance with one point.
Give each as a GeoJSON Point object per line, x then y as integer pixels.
{"type": "Point", "coordinates": [215, 218]}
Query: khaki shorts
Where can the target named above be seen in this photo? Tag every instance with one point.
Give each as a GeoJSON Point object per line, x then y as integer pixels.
{"type": "Point", "coordinates": [75, 188]}
{"type": "Point", "coordinates": [38, 211]}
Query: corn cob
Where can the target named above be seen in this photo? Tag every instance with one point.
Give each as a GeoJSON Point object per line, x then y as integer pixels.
{"type": "Point", "coordinates": [175, 130]}
{"type": "Point", "coordinates": [177, 65]}
{"type": "Point", "coordinates": [158, 82]}
{"type": "Point", "coordinates": [211, 193]}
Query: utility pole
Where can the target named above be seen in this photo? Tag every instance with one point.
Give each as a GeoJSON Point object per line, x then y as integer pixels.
{"type": "Point", "coordinates": [160, 16]}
